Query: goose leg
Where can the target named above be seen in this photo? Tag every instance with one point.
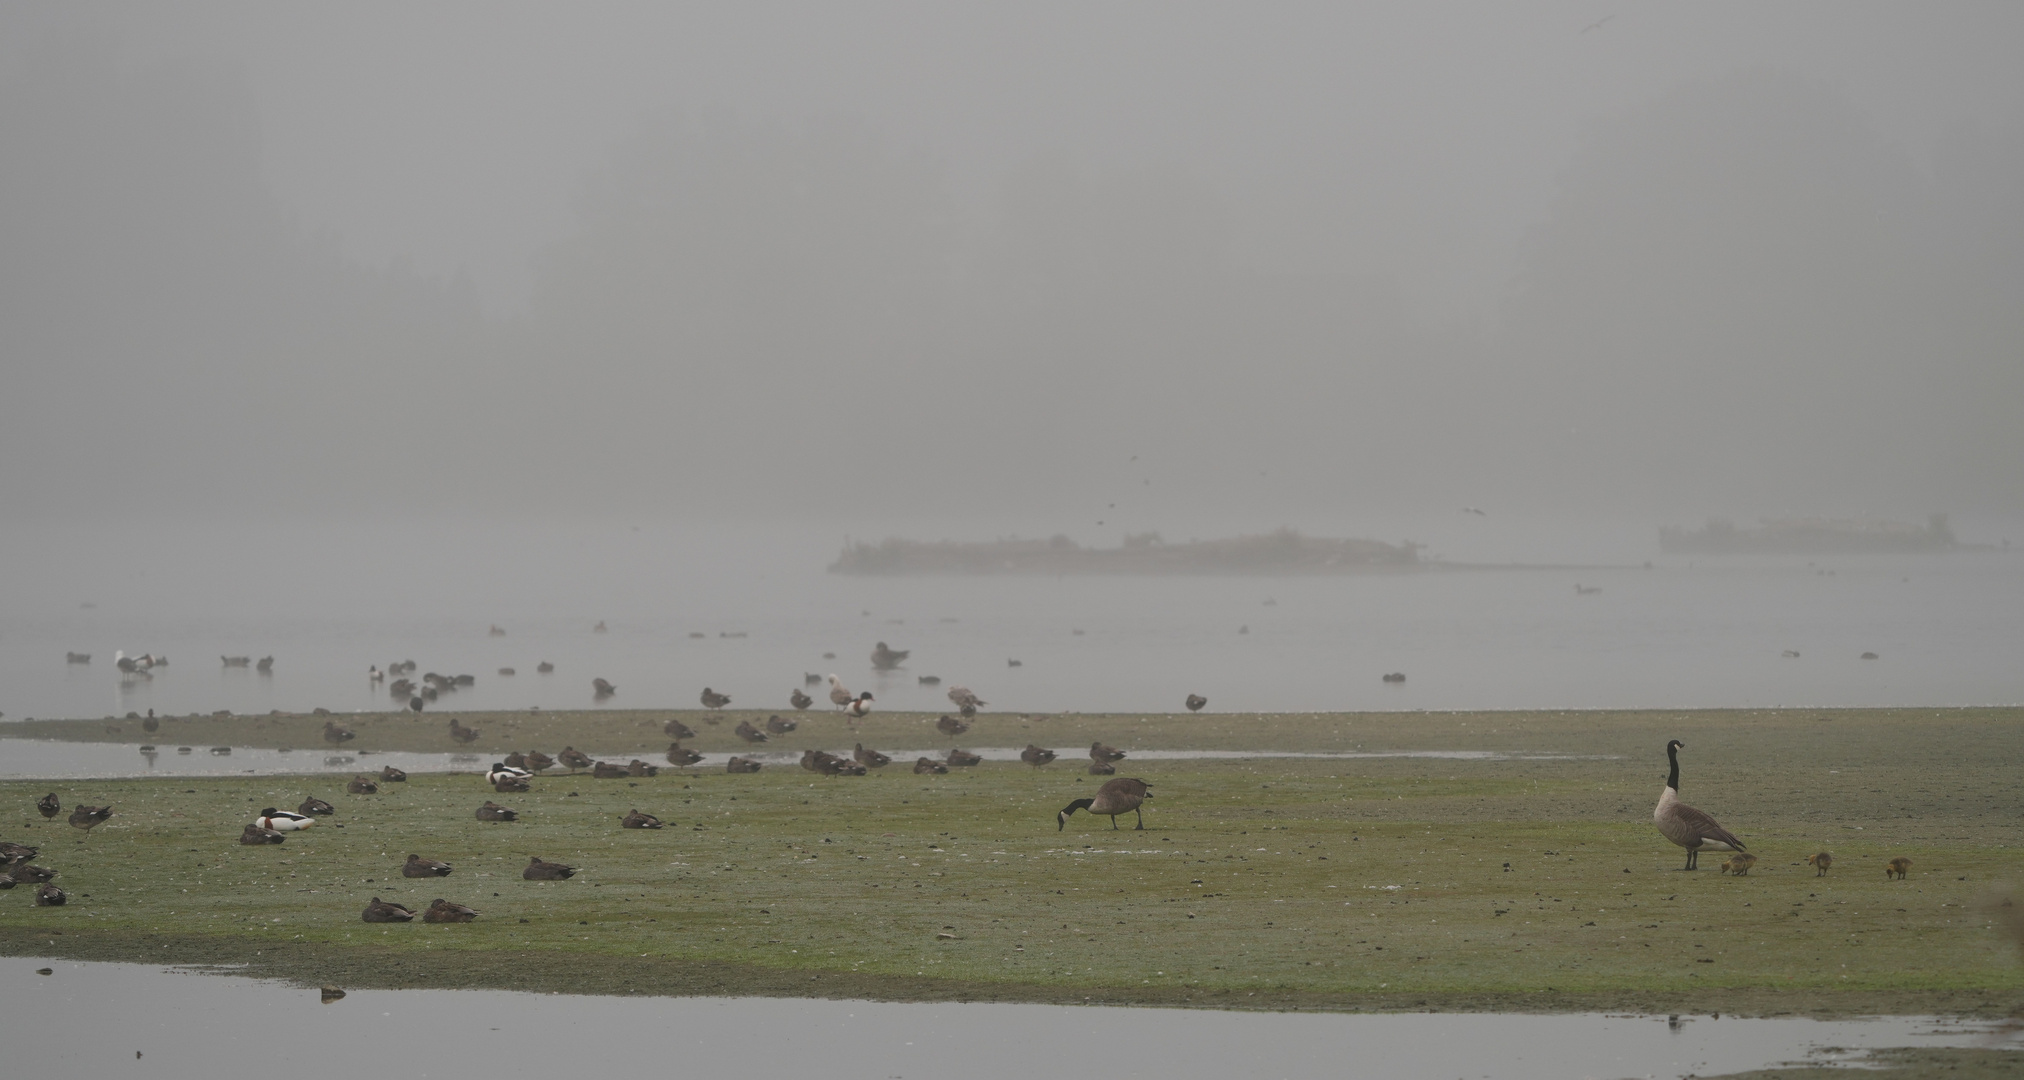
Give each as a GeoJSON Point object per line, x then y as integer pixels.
{"type": "Point", "coordinates": [1113, 822]}
{"type": "Point", "coordinates": [1141, 818]}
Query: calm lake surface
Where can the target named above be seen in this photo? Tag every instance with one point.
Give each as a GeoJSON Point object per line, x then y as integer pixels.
{"type": "Point", "coordinates": [748, 613]}
{"type": "Point", "coordinates": [201, 1025]}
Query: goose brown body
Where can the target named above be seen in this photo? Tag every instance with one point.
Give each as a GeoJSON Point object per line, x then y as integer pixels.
{"type": "Point", "coordinates": [1682, 824]}
{"type": "Point", "coordinates": [1124, 795]}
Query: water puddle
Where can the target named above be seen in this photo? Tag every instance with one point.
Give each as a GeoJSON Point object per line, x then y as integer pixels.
{"type": "Point", "coordinates": [91, 1019]}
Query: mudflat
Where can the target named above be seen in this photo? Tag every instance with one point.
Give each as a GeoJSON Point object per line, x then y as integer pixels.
{"type": "Point", "coordinates": [1531, 880]}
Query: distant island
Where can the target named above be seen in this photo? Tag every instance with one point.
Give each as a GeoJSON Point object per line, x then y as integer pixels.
{"type": "Point", "coordinates": [1809, 536]}
{"type": "Point", "coordinates": [1282, 552]}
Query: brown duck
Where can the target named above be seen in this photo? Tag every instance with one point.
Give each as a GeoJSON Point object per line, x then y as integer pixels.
{"type": "Point", "coordinates": [254, 834]}
{"type": "Point", "coordinates": [949, 725]}
{"type": "Point", "coordinates": [930, 765]}
{"type": "Point", "coordinates": [391, 775]}
{"type": "Point", "coordinates": [27, 874]}
{"type": "Point", "coordinates": [1035, 756]}
{"type": "Point", "coordinates": [314, 807]}
{"type": "Point", "coordinates": [516, 760]}
{"type": "Point", "coordinates": [51, 896]}
{"type": "Point", "coordinates": [800, 700]}
{"type": "Point", "coordinates": [679, 755]}
{"type": "Point", "coordinates": [575, 759]}
{"type": "Point", "coordinates": [608, 770]}
{"type": "Point", "coordinates": [1123, 795]}
{"type": "Point", "coordinates": [1102, 768]}
{"type": "Point", "coordinates": [492, 811]}
{"type": "Point", "coordinates": [747, 732]}
{"type": "Point", "coordinates": [1099, 751]}
{"type": "Point", "coordinates": [362, 785]}
{"type": "Point", "coordinates": [741, 765]}
{"type": "Point", "coordinates": [442, 911]}
{"type": "Point", "coordinates": [964, 758]}
{"type": "Point", "coordinates": [636, 767]}
{"type": "Point", "coordinates": [870, 759]}
{"type": "Point", "coordinates": [537, 761]}
{"type": "Point", "coordinates": [778, 725]}
{"type": "Point", "coordinates": [89, 817]}
{"type": "Point", "coordinates": [538, 869]}
{"type": "Point", "coordinates": [635, 820]}
{"type": "Point", "coordinates": [714, 700]}
{"type": "Point", "coordinates": [385, 911]}
{"type": "Point", "coordinates": [335, 733]}
{"type": "Point", "coordinates": [511, 785]}
{"type": "Point", "coordinates": [416, 866]}
{"type": "Point", "coordinates": [48, 805]}
{"type": "Point", "coordinates": [678, 730]}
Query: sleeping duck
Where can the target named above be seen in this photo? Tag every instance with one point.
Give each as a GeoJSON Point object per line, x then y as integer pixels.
{"type": "Point", "coordinates": [282, 821]}
{"type": "Point", "coordinates": [539, 869]}
{"type": "Point", "coordinates": [254, 834]}
{"type": "Point", "coordinates": [636, 820]}
{"type": "Point", "coordinates": [416, 866]}
{"type": "Point", "coordinates": [386, 911]}
{"type": "Point", "coordinates": [313, 807]}
{"type": "Point", "coordinates": [443, 911]}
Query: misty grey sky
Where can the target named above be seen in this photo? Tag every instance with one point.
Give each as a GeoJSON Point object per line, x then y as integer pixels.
{"type": "Point", "coordinates": [1092, 267]}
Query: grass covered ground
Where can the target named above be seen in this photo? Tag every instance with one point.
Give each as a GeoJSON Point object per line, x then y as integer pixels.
{"type": "Point", "coordinates": [1523, 883]}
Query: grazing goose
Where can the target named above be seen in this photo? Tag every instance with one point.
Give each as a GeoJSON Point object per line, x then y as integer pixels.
{"type": "Point", "coordinates": [502, 771]}
{"type": "Point", "coordinates": [391, 775]}
{"type": "Point", "coordinates": [635, 820]}
{"type": "Point", "coordinates": [1119, 796]}
{"type": "Point", "coordinates": [950, 726]}
{"type": "Point", "coordinates": [675, 729]}
{"type": "Point", "coordinates": [839, 695]}
{"type": "Point", "coordinates": [870, 759]}
{"type": "Point", "coordinates": [442, 911]}
{"type": "Point", "coordinates": [799, 700]}
{"type": "Point", "coordinates": [51, 896]}
{"type": "Point", "coordinates": [492, 811]}
{"type": "Point", "coordinates": [254, 834]}
{"type": "Point", "coordinates": [386, 911]}
{"type": "Point", "coordinates": [714, 700]}
{"type": "Point", "coordinates": [1103, 752]}
{"type": "Point", "coordinates": [741, 765]}
{"type": "Point", "coordinates": [1897, 868]}
{"type": "Point", "coordinates": [1684, 825]}
{"type": "Point", "coordinates": [89, 817]}
{"type": "Point", "coordinates": [48, 805]}
{"type": "Point", "coordinates": [608, 770]}
{"type": "Point", "coordinates": [885, 658]}
{"type": "Point", "coordinates": [602, 689]}
{"type": "Point", "coordinates": [539, 870]}
{"type": "Point", "coordinates": [966, 702]}
{"type": "Point", "coordinates": [1035, 756]}
{"type": "Point", "coordinates": [930, 765]}
{"type": "Point", "coordinates": [778, 725]}
{"type": "Point", "coordinates": [1820, 863]}
{"type": "Point", "coordinates": [964, 758]}
{"type": "Point", "coordinates": [416, 866]}
{"type": "Point", "coordinates": [1738, 864]}
{"type": "Point", "coordinates": [336, 734]}
{"type": "Point", "coordinates": [282, 821]}
{"type": "Point", "coordinates": [315, 807]}
{"type": "Point", "coordinates": [680, 756]}
{"type": "Point", "coordinates": [362, 785]}
{"type": "Point", "coordinates": [860, 707]}
{"type": "Point", "coordinates": [1195, 702]}
{"type": "Point", "coordinates": [1102, 768]}
{"type": "Point", "coordinates": [747, 732]}
{"type": "Point", "coordinates": [576, 759]}
{"type": "Point", "coordinates": [537, 761]}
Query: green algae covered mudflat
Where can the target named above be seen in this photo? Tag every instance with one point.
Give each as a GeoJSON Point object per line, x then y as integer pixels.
{"type": "Point", "coordinates": [1532, 880]}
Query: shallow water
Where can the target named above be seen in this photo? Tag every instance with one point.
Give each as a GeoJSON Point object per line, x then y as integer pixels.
{"type": "Point", "coordinates": [188, 1024]}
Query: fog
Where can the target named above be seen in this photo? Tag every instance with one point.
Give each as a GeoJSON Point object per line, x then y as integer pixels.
{"type": "Point", "coordinates": [1088, 268]}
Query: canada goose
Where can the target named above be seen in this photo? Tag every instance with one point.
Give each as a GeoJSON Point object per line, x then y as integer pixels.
{"type": "Point", "coordinates": [870, 759]}
{"type": "Point", "coordinates": [929, 765]}
{"type": "Point", "coordinates": [1195, 702]}
{"type": "Point", "coordinates": [679, 755]}
{"type": "Point", "coordinates": [1684, 825]}
{"type": "Point", "coordinates": [950, 726]}
{"type": "Point", "coordinates": [386, 911]}
{"type": "Point", "coordinates": [1035, 756]}
{"type": "Point", "coordinates": [462, 734]}
{"type": "Point", "coordinates": [1820, 863]}
{"type": "Point", "coordinates": [265, 666]}
{"type": "Point", "coordinates": [51, 896]}
{"type": "Point", "coordinates": [1897, 868]}
{"type": "Point", "coordinates": [537, 761]}
{"type": "Point", "coordinates": [602, 689]}
{"type": "Point", "coordinates": [416, 866]}
{"type": "Point", "coordinates": [964, 758]}
{"type": "Point", "coordinates": [391, 775]}
{"type": "Point", "coordinates": [714, 700]}
{"type": "Point", "coordinates": [839, 695]}
{"type": "Point", "coordinates": [48, 805]}
{"type": "Point", "coordinates": [965, 701]}
{"type": "Point", "coordinates": [492, 811]}
{"type": "Point", "coordinates": [885, 658]}
{"type": "Point", "coordinates": [442, 911]}
{"type": "Point", "coordinates": [1115, 797]}
{"type": "Point", "coordinates": [502, 771]}
{"type": "Point", "coordinates": [512, 785]}
{"type": "Point", "coordinates": [1738, 864]}
{"type": "Point", "coordinates": [675, 729]}
{"type": "Point", "coordinates": [741, 765]}
{"type": "Point", "coordinates": [779, 725]}
{"type": "Point", "coordinates": [545, 668]}
{"type": "Point", "coordinates": [799, 700]}
{"type": "Point", "coordinates": [574, 758]}
{"type": "Point", "coordinates": [539, 870]}
{"type": "Point", "coordinates": [282, 821]}
{"type": "Point", "coordinates": [362, 785]}
{"type": "Point", "coordinates": [747, 732]}
{"type": "Point", "coordinates": [89, 817]}
{"type": "Point", "coordinates": [607, 770]}
{"type": "Point", "coordinates": [1102, 768]}
{"type": "Point", "coordinates": [315, 807]}
{"type": "Point", "coordinates": [254, 834]}
{"type": "Point", "coordinates": [335, 733]}
{"type": "Point", "coordinates": [1101, 752]}
{"type": "Point", "coordinates": [859, 708]}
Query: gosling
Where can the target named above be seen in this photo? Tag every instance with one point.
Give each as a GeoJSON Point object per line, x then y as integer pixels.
{"type": "Point", "coordinates": [1820, 863]}
{"type": "Point", "coordinates": [1897, 868]}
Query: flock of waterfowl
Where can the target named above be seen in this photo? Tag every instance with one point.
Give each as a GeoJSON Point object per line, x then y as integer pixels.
{"type": "Point", "coordinates": [1694, 829]}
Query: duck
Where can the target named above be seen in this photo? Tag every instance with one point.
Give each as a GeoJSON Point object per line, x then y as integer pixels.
{"type": "Point", "coordinates": [930, 765]}
{"type": "Point", "coordinates": [391, 775]}
{"type": "Point", "coordinates": [512, 785]}
{"type": "Point", "coordinates": [89, 817]}
{"type": "Point", "coordinates": [283, 822]}
{"type": "Point", "coordinates": [635, 820]}
{"type": "Point", "coordinates": [462, 734]}
{"type": "Point", "coordinates": [1897, 868]}
{"type": "Point", "coordinates": [502, 771]}
{"type": "Point", "coordinates": [679, 755]}
{"type": "Point", "coordinates": [1195, 702]}
{"type": "Point", "coordinates": [335, 733]}
{"type": "Point", "coordinates": [949, 725]}
{"type": "Point", "coordinates": [778, 725]}
{"type": "Point", "coordinates": [859, 708]}
{"type": "Point", "coordinates": [608, 770]}
{"type": "Point", "coordinates": [636, 767]}
{"type": "Point", "coordinates": [362, 785]}
{"type": "Point", "coordinates": [537, 761]}
{"type": "Point", "coordinates": [29, 874]}
{"type": "Point", "coordinates": [265, 666]}
{"type": "Point", "coordinates": [538, 869]}
{"type": "Point", "coordinates": [1684, 825]}
{"type": "Point", "coordinates": [1122, 795]}
{"type": "Point", "coordinates": [675, 729]}
{"type": "Point", "coordinates": [741, 765]}
{"type": "Point", "coordinates": [442, 911]}
{"type": "Point", "coordinates": [870, 759]}
{"type": "Point", "coordinates": [810, 678]}
{"type": "Point", "coordinates": [966, 702]}
{"type": "Point", "coordinates": [545, 668]}
{"type": "Point", "coordinates": [492, 811]}
{"type": "Point", "coordinates": [48, 806]}
{"type": "Point", "coordinates": [386, 911]}
{"type": "Point", "coordinates": [574, 758]}
{"type": "Point", "coordinates": [416, 866]}
{"type": "Point", "coordinates": [11, 853]}
{"type": "Point", "coordinates": [236, 661]}
{"type": "Point", "coordinates": [1394, 676]}
{"type": "Point", "coordinates": [714, 700]}
{"type": "Point", "coordinates": [1035, 756]}
{"type": "Point", "coordinates": [839, 695]}
{"type": "Point", "coordinates": [747, 732]}
{"type": "Point", "coordinates": [963, 758]}
{"type": "Point", "coordinates": [799, 700]}
{"type": "Point", "coordinates": [516, 760]}
{"type": "Point", "coordinates": [254, 834]}
{"type": "Point", "coordinates": [1820, 863]}
{"type": "Point", "coordinates": [51, 896]}
{"type": "Point", "coordinates": [929, 680]}
{"type": "Point", "coordinates": [1103, 752]}
{"type": "Point", "coordinates": [1102, 768]}
{"type": "Point", "coordinates": [315, 807]}
{"type": "Point", "coordinates": [602, 689]}
{"type": "Point", "coordinates": [886, 658]}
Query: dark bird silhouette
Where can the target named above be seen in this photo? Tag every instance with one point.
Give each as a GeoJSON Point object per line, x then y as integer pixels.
{"type": "Point", "coordinates": [511, 785]}
{"type": "Point", "coordinates": [679, 755]}
{"type": "Point", "coordinates": [416, 704]}
{"type": "Point", "coordinates": [747, 732]}
{"type": "Point", "coordinates": [714, 700]}
{"type": "Point", "coordinates": [539, 870]}
{"type": "Point", "coordinates": [778, 725]}
{"type": "Point", "coordinates": [265, 666]}
{"type": "Point", "coordinates": [675, 729]}
{"type": "Point", "coordinates": [885, 658]}
{"type": "Point", "coordinates": [89, 817]}
{"type": "Point", "coordinates": [1684, 825]}
{"type": "Point", "coordinates": [964, 758]}
{"type": "Point", "coordinates": [965, 701]}
{"type": "Point", "coordinates": [950, 726]}
{"type": "Point", "coordinates": [391, 775]}
{"type": "Point", "coordinates": [48, 805]}
{"type": "Point", "coordinates": [810, 678]}
{"type": "Point", "coordinates": [930, 765]}
{"type": "Point", "coordinates": [1035, 756]}
{"type": "Point", "coordinates": [1195, 702]}
{"type": "Point", "coordinates": [607, 770]}
{"type": "Point", "coordinates": [545, 668]}
{"type": "Point", "coordinates": [462, 734]}
{"type": "Point", "coordinates": [741, 765]}
{"type": "Point", "coordinates": [799, 700]}
{"type": "Point", "coordinates": [51, 896]}
{"type": "Point", "coordinates": [576, 759]}
{"type": "Point", "coordinates": [930, 680]}
{"type": "Point", "coordinates": [384, 911]}
{"type": "Point", "coordinates": [602, 689]}
{"type": "Point", "coordinates": [254, 834]}
{"type": "Point", "coordinates": [314, 807]}
{"type": "Point", "coordinates": [635, 820]}
{"type": "Point", "coordinates": [1099, 751]}
{"type": "Point", "coordinates": [416, 866]}
{"type": "Point", "coordinates": [362, 785]}
{"type": "Point", "coordinates": [29, 874]}
{"type": "Point", "coordinates": [870, 759]}
{"type": "Point", "coordinates": [1395, 676]}
{"type": "Point", "coordinates": [1471, 509]}
{"type": "Point", "coordinates": [442, 911]}
{"type": "Point", "coordinates": [537, 761]}
{"type": "Point", "coordinates": [336, 734]}
{"type": "Point", "coordinates": [1102, 768]}
{"type": "Point", "coordinates": [1122, 795]}
{"type": "Point", "coordinates": [492, 811]}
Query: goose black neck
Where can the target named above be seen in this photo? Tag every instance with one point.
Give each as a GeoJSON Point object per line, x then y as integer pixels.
{"type": "Point", "coordinates": [1061, 820]}
{"type": "Point", "coordinates": [1673, 755]}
